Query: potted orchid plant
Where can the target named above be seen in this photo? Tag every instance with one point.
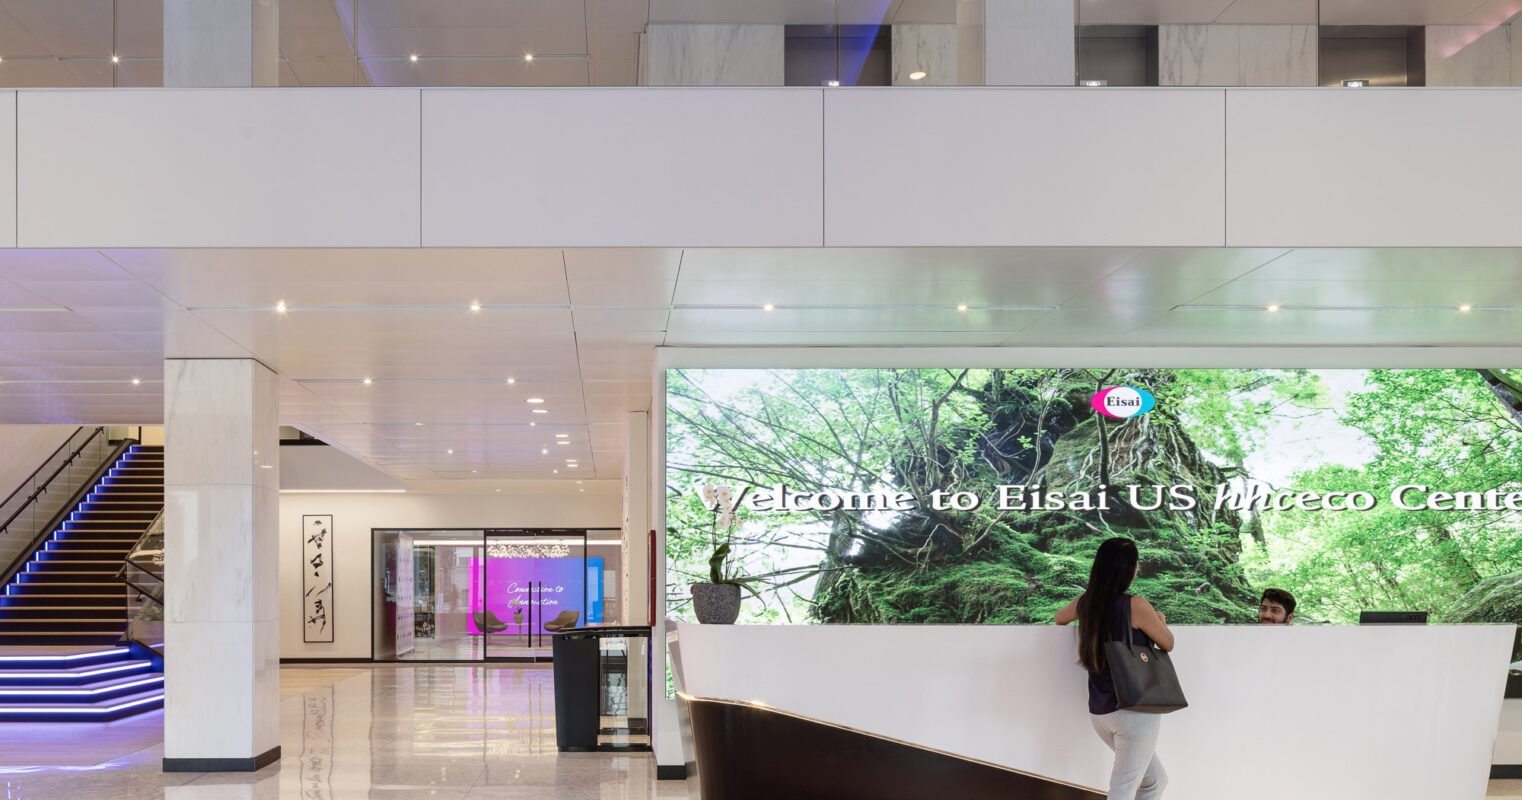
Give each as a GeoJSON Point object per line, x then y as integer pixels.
{"type": "Point", "coordinates": [717, 602]}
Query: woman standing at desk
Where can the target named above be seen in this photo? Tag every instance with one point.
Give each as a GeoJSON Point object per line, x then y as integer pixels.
{"type": "Point", "coordinates": [1101, 615]}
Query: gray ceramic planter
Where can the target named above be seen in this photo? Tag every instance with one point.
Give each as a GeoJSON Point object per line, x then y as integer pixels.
{"type": "Point", "coordinates": [716, 603]}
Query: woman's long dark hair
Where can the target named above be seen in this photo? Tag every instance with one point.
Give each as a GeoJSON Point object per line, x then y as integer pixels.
{"type": "Point", "coordinates": [1109, 578]}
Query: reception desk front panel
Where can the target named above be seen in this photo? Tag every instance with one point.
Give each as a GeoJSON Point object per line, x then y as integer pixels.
{"type": "Point", "coordinates": [1340, 713]}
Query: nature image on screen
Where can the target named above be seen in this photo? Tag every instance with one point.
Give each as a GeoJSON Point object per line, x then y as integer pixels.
{"type": "Point", "coordinates": [980, 495]}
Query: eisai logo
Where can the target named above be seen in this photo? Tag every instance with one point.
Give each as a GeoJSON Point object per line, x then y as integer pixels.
{"type": "Point", "coordinates": [1122, 401]}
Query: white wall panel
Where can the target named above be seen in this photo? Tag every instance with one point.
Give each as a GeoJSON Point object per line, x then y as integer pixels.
{"type": "Point", "coordinates": [355, 515]}
{"type": "Point", "coordinates": [993, 166]}
{"type": "Point", "coordinates": [1376, 167]}
{"type": "Point", "coordinates": [8, 169]}
{"type": "Point", "coordinates": [218, 168]}
{"type": "Point", "coordinates": [621, 167]}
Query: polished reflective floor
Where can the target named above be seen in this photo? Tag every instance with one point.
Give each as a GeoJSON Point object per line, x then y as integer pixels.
{"type": "Point", "coordinates": [390, 732]}
{"type": "Point", "coordinates": [382, 733]}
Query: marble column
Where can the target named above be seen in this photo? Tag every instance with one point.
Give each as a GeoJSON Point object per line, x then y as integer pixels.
{"type": "Point", "coordinates": [1516, 52]}
{"type": "Point", "coordinates": [714, 55]}
{"type": "Point", "coordinates": [221, 43]}
{"type": "Point", "coordinates": [1237, 55]}
{"type": "Point", "coordinates": [636, 599]}
{"type": "Point", "coordinates": [221, 565]}
{"type": "Point", "coordinates": [1030, 42]}
{"type": "Point", "coordinates": [1469, 55]}
{"type": "Point", "coordinates": [926, 50]}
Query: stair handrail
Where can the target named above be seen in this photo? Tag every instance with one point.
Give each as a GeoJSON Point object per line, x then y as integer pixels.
{"type": "Point", "coordinates": [139, 631]}
{"type": "Point", "coordinates": [43, 488]}
{"type": "Point", "coordinates": [78, 496]}
{"type": "Point", "coordinates": [129, 563]}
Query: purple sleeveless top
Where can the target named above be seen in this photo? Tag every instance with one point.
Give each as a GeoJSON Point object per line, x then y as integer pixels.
{"type": "Point", "coordinates": [1101, 687]}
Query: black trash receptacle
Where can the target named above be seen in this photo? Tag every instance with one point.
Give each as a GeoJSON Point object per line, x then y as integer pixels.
{"type": "Point", "coordinates": [580, 683]}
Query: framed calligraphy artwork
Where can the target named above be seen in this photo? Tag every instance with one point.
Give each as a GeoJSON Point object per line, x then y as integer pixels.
{"type": "Point", "coordinates": [317, 578]}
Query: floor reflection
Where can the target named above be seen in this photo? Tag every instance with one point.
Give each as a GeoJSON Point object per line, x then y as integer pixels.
{"type": "Point", "coordinates": [435, 731]}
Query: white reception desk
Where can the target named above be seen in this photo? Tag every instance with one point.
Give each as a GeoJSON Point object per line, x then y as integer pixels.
{"type": "Point", "coordinates": [1276, 713]}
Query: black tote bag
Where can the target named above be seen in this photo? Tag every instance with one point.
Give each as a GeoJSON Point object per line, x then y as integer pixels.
{"type": "Point", "coordinates": [1143, 675]}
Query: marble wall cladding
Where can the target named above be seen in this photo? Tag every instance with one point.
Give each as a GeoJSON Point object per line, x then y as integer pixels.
{"type": "Point", "coordinates": [1516, 52]}
{"type": "Point", "coordinates": [1030, 43]}
{"type": "Point", "coordinates": [1237, 55]}
{"type": "Point", "coordinates": [1469, 55]}
{"type": "Point", "coordinates": [222, 578]}
{"type": "Point", "coordinates": [714, 55]}
{"type": "Point", "coordinates": [931, 49]}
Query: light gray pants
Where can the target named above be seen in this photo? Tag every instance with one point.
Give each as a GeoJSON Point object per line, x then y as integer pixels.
{"type": "Point", "coordinates": [1138, 775]}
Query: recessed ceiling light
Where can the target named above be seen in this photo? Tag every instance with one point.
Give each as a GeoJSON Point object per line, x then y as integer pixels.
{"type": "Point", "coordinates": [512, 380]}
{"type": "Point", "coordinates": [280, 307]}
{"type": "Point", "coordinates": [1356, 83]}
{"type": "Point", "coordinates": [412, 58]}
{"type": "Point", "coordinates": [1099, 82]}
{"type": "Point", "coordinates": [578, 483]}
{"type": "Point", "coordinates": [580, 490]}
{"type": "Point", "coordinates": [768, 307]}
{"type": "Point", "coordinates": [1273, 307]}
{"type": "Point", "coordinates": [962, 307]}
{"type": "Point", "coordinates": [137, 381]}
{"type": "Point", "coordinates": [528, 56]}
{"type": "Point", "coordinates": [499, 490]}
{"type": "Point", "coordinates": [367, 381]}
{"type": "Point", "coordinates": [832, 83]}
{"type": "Point", "coordinates": [450, 452]}
{"type": "Point", "coordinates": [567, 442]}
{"type": "Point", "coordinates": [555, 471]}
{"type": "Point", "coordinates": [475, 306]}
{"type": "Point", "coordinates": [1466, 307]}
{"type": "Point", "coordinates": [116, 59]}
{"type": "Point", "coordinates": [916, 76]}
{"type": "Point", "coordinates": [545, 451]}
{"type": "Point", "coordinates": [562, 436]}
{"type": "Point", "coordinates": [541, 411]}
{"type": "Point", "coordinates": [474, 471]}
{"type": "Point", "coordinates": [419, 424]}
{"type": "Point", "coordinates": [534, 400]}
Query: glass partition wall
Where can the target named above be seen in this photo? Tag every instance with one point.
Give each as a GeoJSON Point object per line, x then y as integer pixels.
{"type": "Point", "coordinates": [488, 594]}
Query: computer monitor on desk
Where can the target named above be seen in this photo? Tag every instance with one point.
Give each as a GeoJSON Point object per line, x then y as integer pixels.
{"type": "Point", "coordinates": [1392, 618]}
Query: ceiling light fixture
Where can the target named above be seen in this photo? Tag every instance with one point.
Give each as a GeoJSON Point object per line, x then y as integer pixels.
{"type": "Point", "coordinates": [1096, 82]}
{"type": "Point", "coordinates": [768, 307]}
{"type": "Point", "coordinates": [917, 76]}
{"type": "Point", "coordinates": [562, 436]}
{"type": "Point", "coordinates": [540, 411]}
{"type": "Point", "coordinates": [1356, 83]}
{"type": "Point", "coordinates": [962, 307]}
{"type": "Point", "coordinates": [511, 381]}
{"type": "Point", "coordinates": [832, 83]}
{"type": "Point", "coordinates": [419, 424]}
{"type": "Point", "coordinates": [449, 452]}
{"type": "Point", "coordinates": [554, 472]}
{"type": "Point", "coordinates": [532, 424]}
{"type": "Point", "coordinates": [367, 381]}
{"type": "Point", "coordinates": [412, 58]}
{"type": "Point", "coordinates": [566, 442]}
{"type": "Point", "coordinates": [137, 381]}
{"type": "Point", "coordinates": [545, 451]}
{"type": "Point", "coordinates": [534, 400]}
{"type": "Point", "coordinates": [475, 306]}
{"type": "Point", "coordinates": [1466, 307]}
{"type": "Point", "coordinates": [1273, 307]}
{"type": "Point", "coordinates": [528, 56]}
{"type": "Point", "coordinates": [280, 307]}
{"type": "Point", "coordinates": [116, 59]}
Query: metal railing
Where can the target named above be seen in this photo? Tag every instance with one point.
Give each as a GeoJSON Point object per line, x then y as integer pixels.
{"type": "Point", "coordinates": [142, 577]}
{"type": "Point", "coordinates": [47, 492]}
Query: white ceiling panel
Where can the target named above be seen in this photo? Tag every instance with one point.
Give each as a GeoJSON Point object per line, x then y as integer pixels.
{"type": "Point", "coordinates": [1372, 293]}
{"type": "Point", "coordinates": [568, 70]}
{"type": "Point", "coordinates": [700, 338]}
{"type": "Point", "coordinates": [647, 265]}
{"type": "Point", "coordinates": [124, 294]}
{"type": "Point", "coordinates": [685, 321]}
{"type": "Point", "coordinates": [470, 27]}
{"type": "Point", "coordinates": [13, 296]}
{"type": "Point", "coordinates": [788, 265]}
{"type": "Point", "coordinates": [1397, 12]}
{"type": "Point", "coordinates": [140, 29]}
{"type": "Point", "coordinates": [1252, 327]}
{"type": "Point", "coordinates": [924, 291]}
{"type": "Point", "coordinates": [1394, 264]}
{"type": "Point", "coordinates": [59, 265]}
{"type": "Point", "coordinates": [67, 27]}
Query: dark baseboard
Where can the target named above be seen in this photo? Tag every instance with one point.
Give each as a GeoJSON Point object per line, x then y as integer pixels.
{"type": "Point", "coordinates": [671, 772]}
{"type": "Point", "coordinates": [1505, 772]}
{"type": "Point", "coordinates": [360, 660]}
{"type": "Point", "coordinates": [223, 764]}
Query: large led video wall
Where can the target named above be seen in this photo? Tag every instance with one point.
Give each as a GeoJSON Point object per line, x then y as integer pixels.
{"type": "Point", "coordinates": [980, 495]}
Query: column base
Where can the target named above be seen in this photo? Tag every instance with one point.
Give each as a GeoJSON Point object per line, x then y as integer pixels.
{"type": "Point", "coordinates": [223, 764]}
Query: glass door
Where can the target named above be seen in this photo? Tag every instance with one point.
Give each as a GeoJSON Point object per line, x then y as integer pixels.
{"type": "Point", "coordinates": [531, 584]}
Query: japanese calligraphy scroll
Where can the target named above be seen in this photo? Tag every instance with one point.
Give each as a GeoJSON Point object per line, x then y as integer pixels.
{"type": "Point", "coordinates": [317, 578]}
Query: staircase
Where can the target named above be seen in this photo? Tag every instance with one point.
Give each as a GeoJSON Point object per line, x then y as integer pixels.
{"type": "Point", "coordinates": [63, 616]}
